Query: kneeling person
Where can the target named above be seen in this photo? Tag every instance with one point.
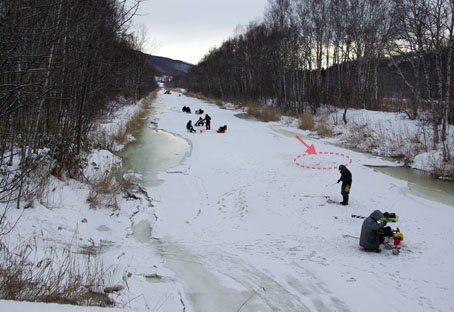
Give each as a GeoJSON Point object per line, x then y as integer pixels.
{"type": "Point", "coordinates": [370, 231]}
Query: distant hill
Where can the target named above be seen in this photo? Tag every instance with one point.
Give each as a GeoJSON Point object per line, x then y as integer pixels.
{"type": "Point", "coordinates": [168, 67]}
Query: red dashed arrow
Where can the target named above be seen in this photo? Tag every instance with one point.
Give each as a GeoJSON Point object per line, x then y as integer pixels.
{"type": "Point", "coordinates": [310, 149]}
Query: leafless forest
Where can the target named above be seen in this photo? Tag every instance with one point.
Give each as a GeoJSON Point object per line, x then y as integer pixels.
{"type": "Point", "coordinates": [392, 55]}
{"type": "Point", "coordinates": [62, 63]}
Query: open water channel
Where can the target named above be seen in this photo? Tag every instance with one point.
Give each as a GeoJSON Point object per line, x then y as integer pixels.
{"type": "Point", "coordinates": [154, 151]}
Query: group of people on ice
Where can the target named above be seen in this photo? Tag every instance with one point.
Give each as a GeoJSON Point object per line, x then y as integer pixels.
{"type": "Point", "coordinates": [201, 121]}
{"type": "Point", "coordinates": [372, 230]}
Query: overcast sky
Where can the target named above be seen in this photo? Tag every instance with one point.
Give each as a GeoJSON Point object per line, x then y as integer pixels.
{"type": "Point", "coordinates": [186, 29]}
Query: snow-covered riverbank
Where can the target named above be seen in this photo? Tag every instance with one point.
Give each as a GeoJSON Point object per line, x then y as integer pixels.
{"type": "Point", "coordinates": [109, 239]}
{"type": "Point", "coordinates": [241, 225]}
{"type": "Point", "coordinates": [392, 135]}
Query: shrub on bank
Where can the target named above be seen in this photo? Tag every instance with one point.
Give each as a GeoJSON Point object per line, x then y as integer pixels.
{"type": "Point", "coordinates": [49, 274]}
{"type": "Point", "coordinates": [306, 121]}
{"type": "Point", "coordinates": [263, 113]}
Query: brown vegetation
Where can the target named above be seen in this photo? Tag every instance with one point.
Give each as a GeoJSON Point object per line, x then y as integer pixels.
{"type": "Point", "coordinates": [323, 128]}
{"type": "Point", "coordinates": [58, 275]}
{"type": "Point", "coordinates": [263, 113]}
{"type": "Point", "coordinates": [306, 121]}
{"type": "Point", "coordinates": [218, 102]}
{"type": "Point", "coordinates": [135, 123]}
{"type": "Point", "coordinates": [105, 188]}
{"type": "Point", "coordinates": [204, 98]}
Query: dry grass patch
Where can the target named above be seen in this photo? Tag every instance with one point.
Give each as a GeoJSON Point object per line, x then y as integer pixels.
{"type": "Point", "coordinates": [253, 108]}
{"type": "Point", "coordinates": [306, 121]}
{"type": "Point", "coordinates": [106, 187]}
{"type": "Point", "coordinates": [358, 133]}
{"type": "Point", "coordinates": [148, 101]}
{"type": "Point", "coordinates": [119, 136]}
{"type": "Point", "coordinates": [263, 113]}
{"type": "Point", "coordinates": [200, 96]}
{"type": "Point", "coordinates": [218, 102]}
{"type": "Point", "coordinates": [237, 103]}
{"type": "Point", "coordinates": [137, 120]}
{"type": "Point", "coordinates": [323, 129]}
{"type": "Point", "coordinates": [197, 96]}
{"type": "Point", "coordinates": [270, 114]}
{"type": "Point", "coordinates": [30, 272]}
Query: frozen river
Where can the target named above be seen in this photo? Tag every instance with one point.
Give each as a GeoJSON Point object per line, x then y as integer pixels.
{"type": "Point", "coordinates": [245, 227]}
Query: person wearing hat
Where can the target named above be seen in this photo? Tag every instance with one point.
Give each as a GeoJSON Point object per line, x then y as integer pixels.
{"type": "Point", "coordinates": [346, 178]}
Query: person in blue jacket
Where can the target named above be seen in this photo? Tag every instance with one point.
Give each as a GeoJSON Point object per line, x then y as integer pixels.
{"type": "Point", "coordinates": [346, 178]}
{"type": "Point", "coordinates": [190, 127]}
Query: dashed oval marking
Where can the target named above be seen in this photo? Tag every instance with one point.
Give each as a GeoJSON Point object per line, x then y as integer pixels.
{"type": "Point", "coordinates": [299, 158]}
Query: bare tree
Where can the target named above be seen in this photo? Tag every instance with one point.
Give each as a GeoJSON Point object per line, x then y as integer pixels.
{"type": "Point", "coordinates": [308, 52]}
{"type": "Point", "coordinates": [420, 44]}
{"type": "Point", "coordinates": [61, 64]}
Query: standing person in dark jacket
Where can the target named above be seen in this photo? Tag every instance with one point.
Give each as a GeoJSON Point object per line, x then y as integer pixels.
{"type": "Point", "coordinates": [207, 121]}
{"type": "Point", "coordinates": [370, 238]}
{"type": "Point", "coordinates": [346, 178]}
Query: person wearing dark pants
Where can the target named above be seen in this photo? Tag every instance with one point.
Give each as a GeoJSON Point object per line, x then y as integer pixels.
{"type": "Point", "coordinates": [207, 121]}
{"type": "Point", "coordinates": [346, 178]}
{"type": "Point", "coordinates": [189, 126]}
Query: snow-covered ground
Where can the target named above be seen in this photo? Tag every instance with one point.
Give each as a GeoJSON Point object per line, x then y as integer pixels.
{"type": "Point", "coordinates": [393, 135]}
{"type": "Point", "coordinates": [243, 224]}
